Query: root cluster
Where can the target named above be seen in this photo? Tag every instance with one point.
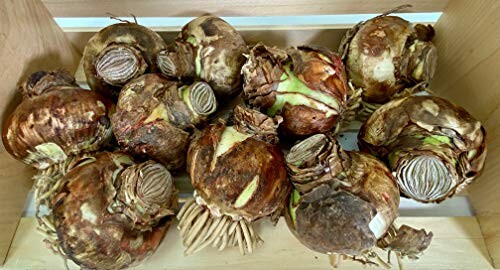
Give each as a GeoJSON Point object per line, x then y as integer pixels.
{"type": "Point", "coordinates": [199, 229]}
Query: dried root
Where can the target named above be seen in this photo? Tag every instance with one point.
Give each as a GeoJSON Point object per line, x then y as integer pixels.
{"type": "Point", "coordinates": [335, 260]}
{"type": "Point", "coordinates": [369, 258]}
{"type": "Point", "coordinates": [47, 183]}
{"type": "Point", "coordinates": [199, 229]}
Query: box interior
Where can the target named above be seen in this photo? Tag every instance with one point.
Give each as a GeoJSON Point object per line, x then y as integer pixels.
{"type": "Point", "coordinates": [469, 59]}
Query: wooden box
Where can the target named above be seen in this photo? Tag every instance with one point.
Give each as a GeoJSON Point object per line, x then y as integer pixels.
{"type": "Point", "coordinates": [468, 41]}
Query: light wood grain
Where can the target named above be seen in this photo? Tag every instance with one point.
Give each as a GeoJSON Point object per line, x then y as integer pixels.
{"type": "Point", "coordinates": [468, 43]}
{"type": "Point", "coordinates": [457, 244]}
{"type": "Point", "coordinates": [175, 8]}
{"type": "Point", "coordinates": [29, 41]}
{"type": "Point", "coordinates": [491, 231]}
{"type": "Point", "coordinates": [15, 182]}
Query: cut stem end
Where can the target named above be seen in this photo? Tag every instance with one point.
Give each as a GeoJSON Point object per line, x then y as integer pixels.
{"type": "Point", "coordinates": [118, 64]}
{"type": "Point", "coordinates": [166, 64]}
{"type": "Point", "coordinates": [202, 98]}
{"type": "Point", "coordinates": [425, 178]}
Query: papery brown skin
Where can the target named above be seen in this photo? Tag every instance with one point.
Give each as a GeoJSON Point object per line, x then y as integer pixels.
{"type": "Point", "coordinates": [262, 127]}
{"type": "Point", "coordinates": [234, 170]}
{"type": "Point", "coordinates": [91, 236]}
{"type": "Point", "coordinates": [395, 127]}
{"type": "Point", "coordinates": [217, 48]}
{"type": "Point", "coordinates": [67, 118]}
{"type": "Point", "coordinates": [41, 81]}
{"type": "Point", "coordinates": [335, 218]}
{"type": "Point", "coordinates": [165, 135]}
{"type": "Point", "coordinates": [319, 69]}
{"type": "Point", "coordinates": [148, 42]}
{"type": "Point", "coordinates": [408, 241]}
{"type": "Point", "coordinates": [379, 57]}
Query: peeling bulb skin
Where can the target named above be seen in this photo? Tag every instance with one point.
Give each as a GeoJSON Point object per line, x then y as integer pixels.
{"type": "Point", "coordinates": [307, 86]}
{"type": "Point", "coordinates": [406, 241]}
{"type": "Point", "coordinates": [55, 120]}
{"type": "Point", "coordinates": [91, 235]}
{"type": "Point", "coordinates": [343, 201]}
{"type": "Point", "coordinates": [238, 178]}
{"type": "Point", "coordinates": [207, 49]}
{"type": "Point", "coordinates": [119, 53]}
{"type": "Point", "coordinates": [386, 55]}
{"type": "Point", "coordinates": [433, 147]}
{"type": "Point", "coordinates": [155, 116]}
{"type": "Point", "coordinates": [40, 82]}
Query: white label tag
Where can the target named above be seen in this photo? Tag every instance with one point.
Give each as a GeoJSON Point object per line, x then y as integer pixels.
{"type": "Point", "coordinates": [378, 226]}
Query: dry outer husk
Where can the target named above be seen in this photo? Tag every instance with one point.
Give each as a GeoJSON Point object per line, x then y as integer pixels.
{"type": "Point", "coordinates": [345, 203]}
{"type": "Point", "coordinates": [56, 120]}
{"type": "Point", "coordinates": [208, 49]}
{"type": "Point", "coordinates": [97, 227]}
{"type": "Point", "coordinates": [140, 47]}
{"type": "Point", "coordinates": [238, 177]}
{"type": "Point", "coordinates": [447, 142]}
{"type": "Point", "coordinates": [306, 85]}
{"type": "Point", "coordinates": [155, 117]}
{"type": "Point", "coordinates": [388, 58]}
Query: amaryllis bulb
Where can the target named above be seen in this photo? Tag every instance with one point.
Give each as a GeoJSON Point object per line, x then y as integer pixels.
{"type": "Point", "coordinates": [119, 53]}
{"type": "Point", "coordinates": [343, 201]}
{"type": "Point", "coordinates": [238, 177]}
{"type": "Point", "coordinates": [386, 55]}
{"type": "Point", "coordinates": [207, 49]}
{"type": "Point", "coordinates": [433, 147]}
{"type": "Point", "coordinates": [103, 220]}
{"type": "Point", "coordinates": [307, 86]}
{"type": "Point", "coordinates": [56, 120]}
{"type": "Point", "coordinates": [155, 116]}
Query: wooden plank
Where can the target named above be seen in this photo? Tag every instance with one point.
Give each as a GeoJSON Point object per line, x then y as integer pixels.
{"type": "Point", "coordinates": [30, 40]}
{"type": "Point", "coordinates": [181, 8]}
{"type": "Point", "coordinates": [15, 182]}
{"type": "Point", "coordinates": [457, 244]}
{"type": "Point", "coordinates": [491, 233]}
{"type": "Point", "coordinates": [468, 44]}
